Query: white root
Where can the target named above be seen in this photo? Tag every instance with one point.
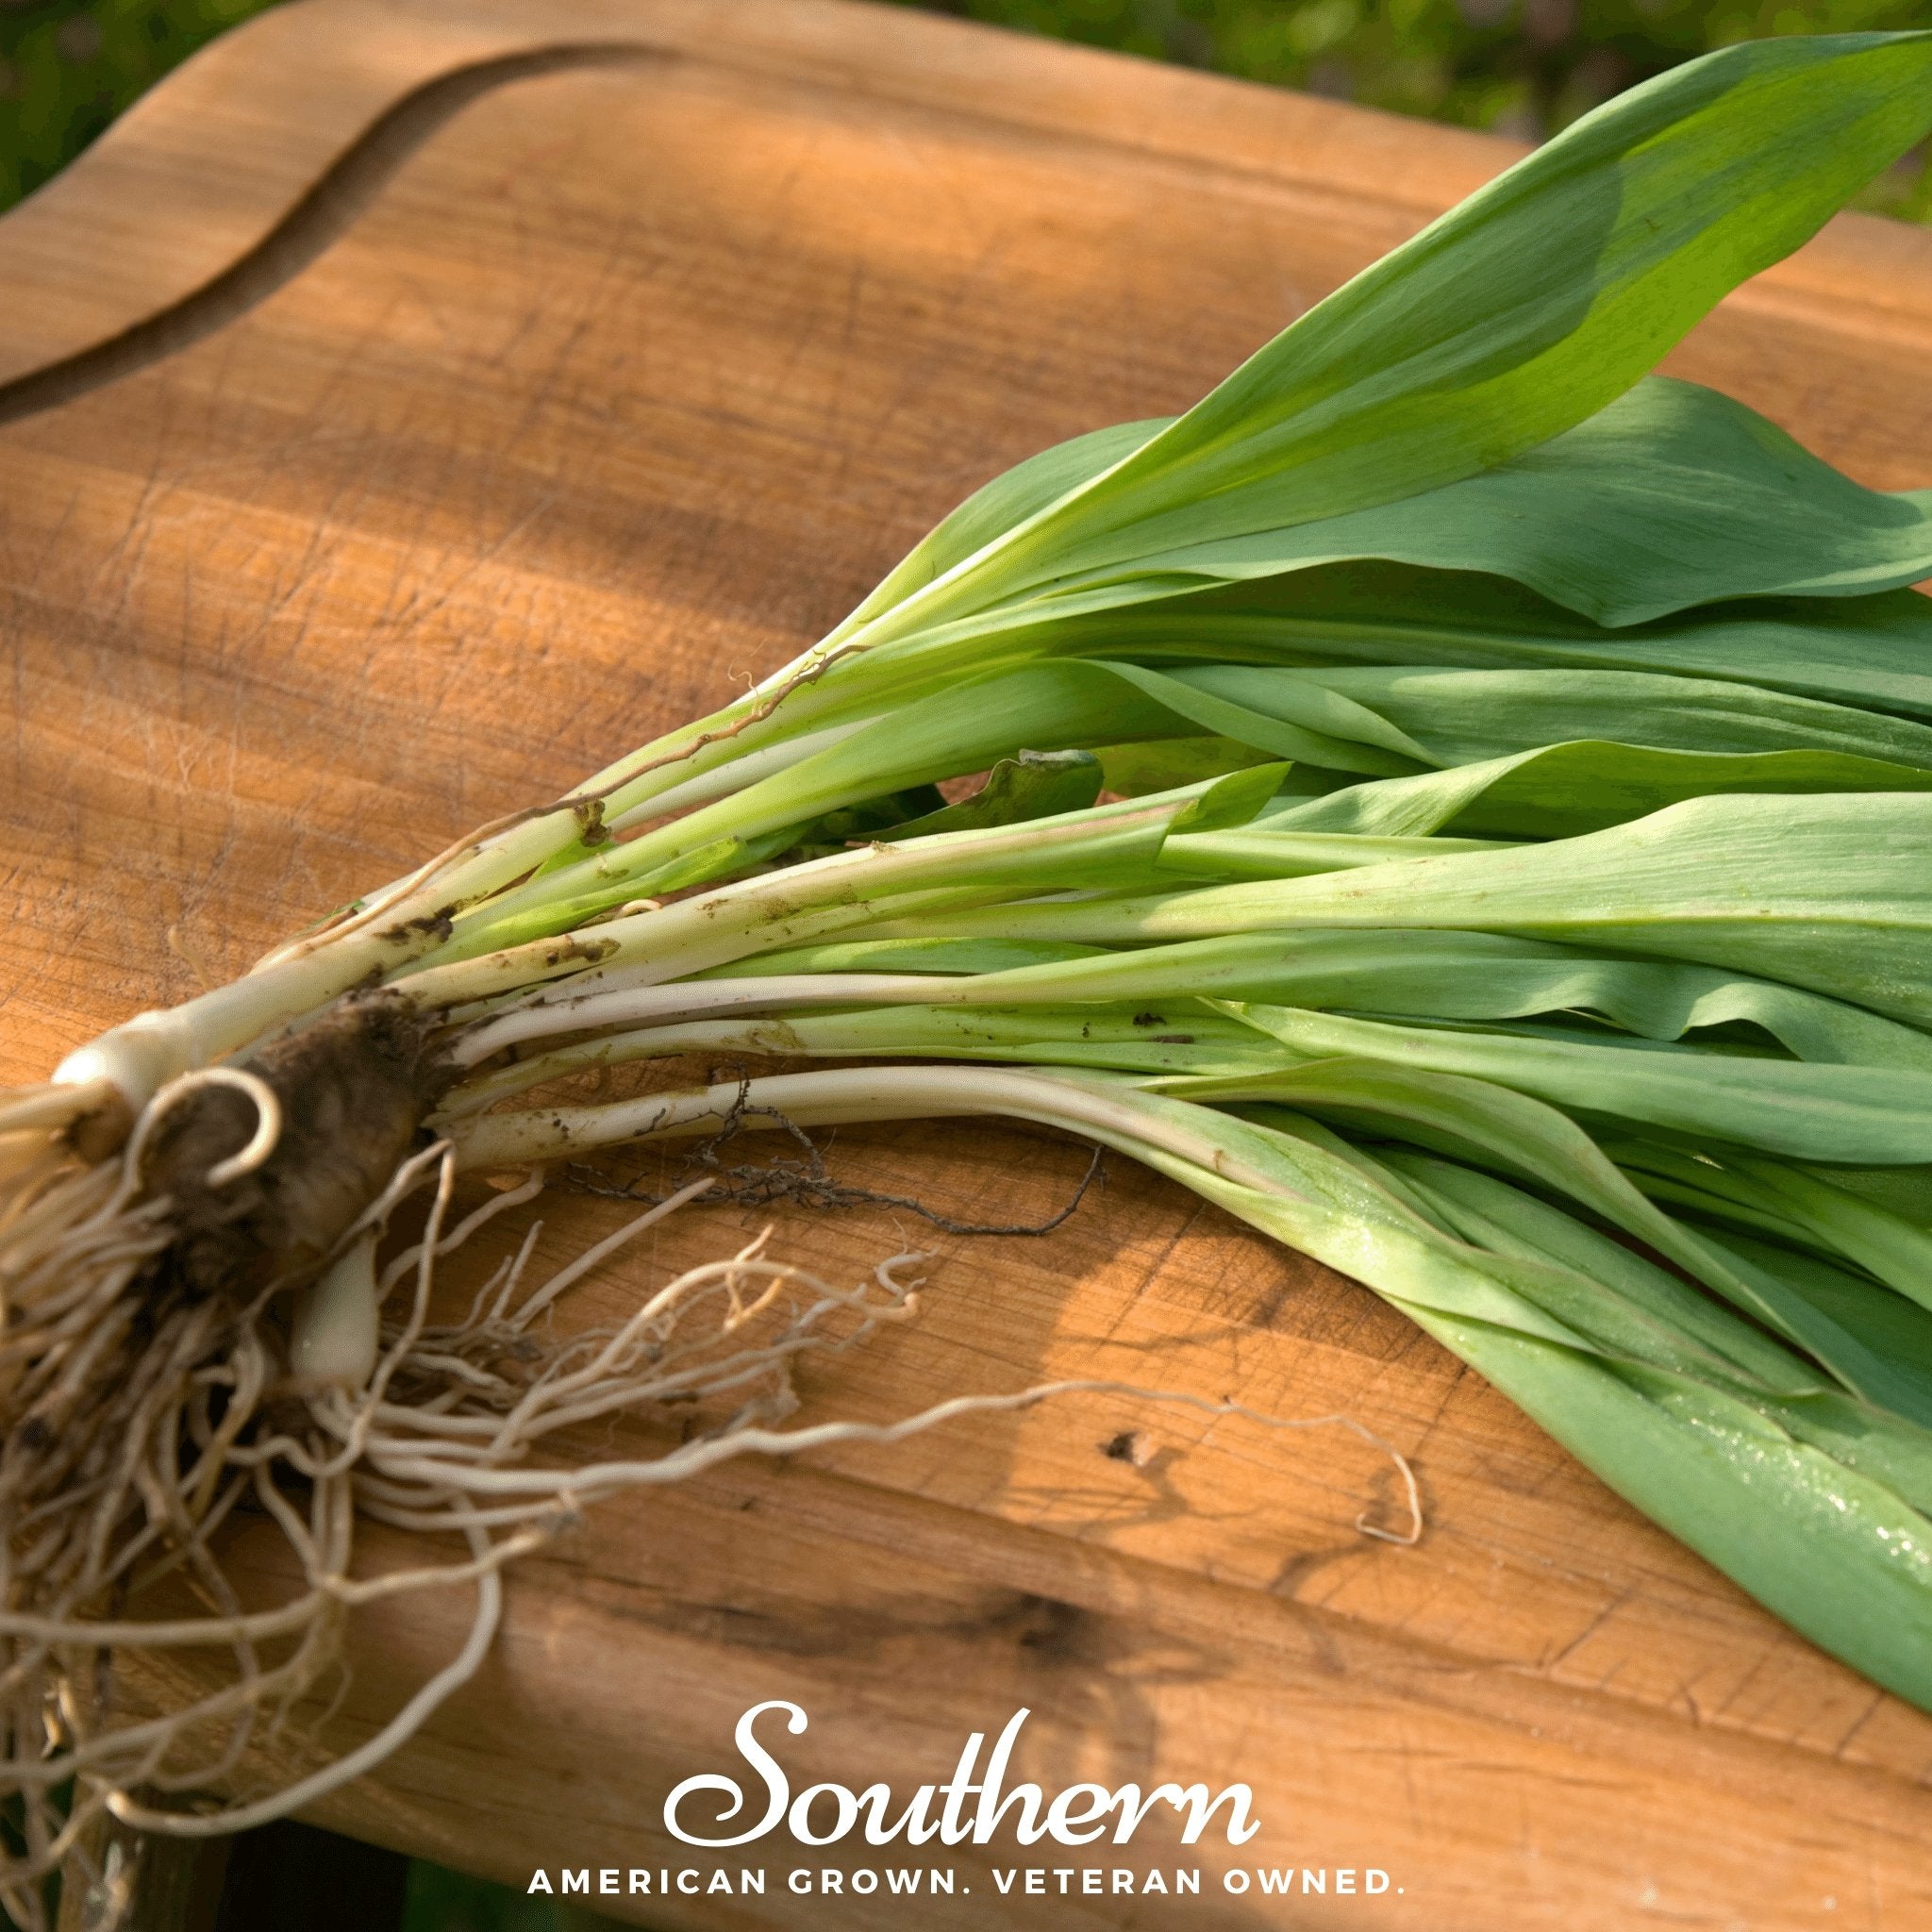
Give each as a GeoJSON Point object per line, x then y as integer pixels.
{"type": "Point", "coordinates": [261, 1145]}
{"type": "Point", "coordinates": [132, 1672]}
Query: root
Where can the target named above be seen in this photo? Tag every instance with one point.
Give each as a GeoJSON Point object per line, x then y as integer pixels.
{"type": "Point", "coordinates": [145, 1405]}
{"type": "Point", "coordinates": [143, 1416]}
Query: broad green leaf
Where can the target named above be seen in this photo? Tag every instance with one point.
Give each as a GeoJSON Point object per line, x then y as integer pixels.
{"type": "Point", "coordinates": [1864, 1322]}
{"type": "Point", "coordinates": [1812, 1111]}
{"type": "Point", "coordinates": [1271, 854]}
{"type": "Point", "coordinates": [1668, 497]}
{"type": "Point", "coordinates": [1336, 1208]}
{"type": "Point", "coordinates": [1832, 893]}
{"type": "Point", "coordinates": [1454, 976]}
{"type": "Point", "coordinates": [1865, 651]}
{"type": "Point", "coordinates": [1673, 496]}
{"type": "Point", "coordinates": [1035, 784]}
{"type": "Point", "coordinates": [1010, 499]}
{"type": "Point", "coordinates": [1795, 1204]}
{"type": "Point", "coordinates": [1132, 770]}
{"type": "Point", "coordinates": [1836, 1551]}
{"type": "Point", "coordinates": [1870, 651]}
{"type": "Point", "coordinates": [1506, 1220]}
{"type": "Point", "coordinates": [1897, 1327]}
{"type": "Point", "coordinates": [1474, 1118]}
{"type": "Point", "coordinates": [1465, 717]}
{"type": "Point", "coordinates": [1512, 319]}
{"type": "Point", "coordinates": [1563, 789]}
{"type": "Point", "coordinates": [1276, 712]}
{"type": "Point", "coordinates": [1827, 1540]}
{"type": "Point", "coordinates": [1906, 1190]}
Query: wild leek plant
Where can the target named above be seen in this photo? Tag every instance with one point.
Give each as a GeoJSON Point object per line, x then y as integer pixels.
{"type": "Point", "coordinates": [1456, 799]}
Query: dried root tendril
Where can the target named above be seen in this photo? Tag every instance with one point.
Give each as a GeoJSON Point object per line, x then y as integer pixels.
{"type": "Point", "coordinates": [261, 1145]}
{"type": "Point", "coordinates": [806, 1181]}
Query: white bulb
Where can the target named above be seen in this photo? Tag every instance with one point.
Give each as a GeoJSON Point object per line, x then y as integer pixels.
{"type": "Point", "coordinates": [337, 1326]}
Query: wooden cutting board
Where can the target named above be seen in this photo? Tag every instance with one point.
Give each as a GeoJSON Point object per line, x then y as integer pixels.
{"type": "Point", "coordinates": [410, 405]}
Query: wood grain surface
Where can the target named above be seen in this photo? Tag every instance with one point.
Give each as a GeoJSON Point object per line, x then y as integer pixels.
{"type": "Point", "coordinates": [410, 405]}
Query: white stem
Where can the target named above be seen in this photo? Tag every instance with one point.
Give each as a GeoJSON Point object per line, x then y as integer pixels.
{"type": "Point", "coordinates": [743, 772]}
{"type": "Point", "coordinates": [141, 1055]}
{"type": "Point", "coordinates": [815, 899]}
{"type": "Point", "coordinates": [1105, 1110]}
{"type": "Point", "coordinates": [337, 1325]}
{"type": "Point", "coordinates": [687, 1000]}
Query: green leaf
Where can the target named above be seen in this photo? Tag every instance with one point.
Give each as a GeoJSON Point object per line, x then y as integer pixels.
{"type": "Point", "coordinates": [1889, 1323]}
{"type": "Point", "coordinates": [1010, 499]}
{"type": "Point", "coordinates": [1869, 651]}
{"type": "Point", "coordinates": [1563, 789]}
{"type": "Point", "coordinates": [1274, 711]}
{"type": "Point", "coordinates": [1035, 784]}
{"type": "Point", "coordinates": [1131, 770]}
{"type": "Point", "coordinates": [1670, 497]}
{"type": "Point", "coordinates": [1673, 496]}
{"type": "Point", "coordinates": [1803, 1499]}
{"type": "Point", "coordinates": [1809, 1109]}
{"type": "Point", "coordinates": [1474, 1118]}
{"type": "Point", "coordinates": [1512, 319]}
{"type": "Point", "coordinates": [1457, 975]}
{"type": "Point", "coordinates": [1795, 1204]}
{"type": "Point", "coordinates": [1835, 1551]}
{"type": "Point", "coordinates": [1831, 894]}
{"type": "Point", "coordinates": [1506, 1220]}
{"type": "Point", "coordinates": [1222, 802]}
{"type": "Point", "coordinates": [1465, 717]}
{"type": "Point", "coordinates": [1268, 853]}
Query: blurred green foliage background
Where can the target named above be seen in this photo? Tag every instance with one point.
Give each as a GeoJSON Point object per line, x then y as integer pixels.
{"type": "Point", "coordinates": [66, 71]}
{"type": "Point", "coordinates": [1523, 67]}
